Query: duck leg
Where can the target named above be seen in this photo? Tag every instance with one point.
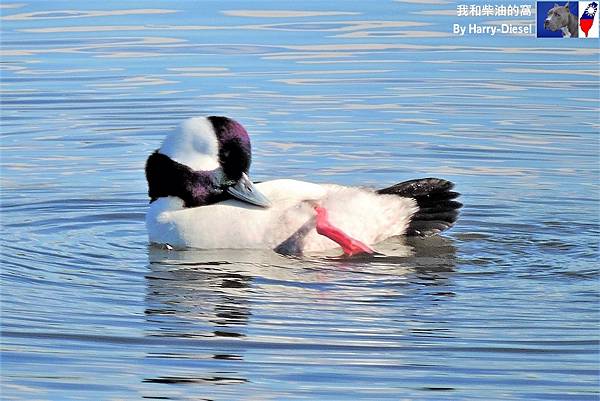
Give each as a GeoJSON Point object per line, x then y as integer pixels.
{"type": "Point", "coordinates": [294, 244]}
{"type": "Point", "coordinates": [351, 246]}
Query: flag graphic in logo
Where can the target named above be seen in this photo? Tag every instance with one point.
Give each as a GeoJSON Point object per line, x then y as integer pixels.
{"type": "Point", "coordinates": [588, 23]}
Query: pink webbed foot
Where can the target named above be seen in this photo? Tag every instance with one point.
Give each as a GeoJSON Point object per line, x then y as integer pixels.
{"type": "Point", "coordinates": [350, 245]}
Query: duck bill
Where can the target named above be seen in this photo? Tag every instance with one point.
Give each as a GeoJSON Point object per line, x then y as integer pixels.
{"type": "Point", "coordinates": [245, 190]}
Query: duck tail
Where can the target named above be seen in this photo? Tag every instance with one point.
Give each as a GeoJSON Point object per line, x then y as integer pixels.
{"type": "Point", "coordinates": [437, 209]}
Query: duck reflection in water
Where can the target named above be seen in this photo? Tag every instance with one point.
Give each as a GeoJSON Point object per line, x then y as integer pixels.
{"type": "Point", "coordinates": [188, 297]}
{"type": "Point", "coordinates": [209, 297]}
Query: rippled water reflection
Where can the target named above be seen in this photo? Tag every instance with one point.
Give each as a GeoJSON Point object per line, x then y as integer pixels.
{"type": "Point", "coordinates": [503, 307]}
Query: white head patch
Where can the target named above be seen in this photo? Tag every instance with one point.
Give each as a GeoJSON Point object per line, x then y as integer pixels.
{"type": "Point", "coordinates": [193, 144]}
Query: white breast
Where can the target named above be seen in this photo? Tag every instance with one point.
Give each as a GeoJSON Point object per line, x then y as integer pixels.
{"type": "Point", "coordinates": [232, 224]}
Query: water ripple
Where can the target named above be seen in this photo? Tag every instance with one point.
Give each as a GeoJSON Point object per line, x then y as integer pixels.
{"type": "Point", "coordinates": [504, 306]}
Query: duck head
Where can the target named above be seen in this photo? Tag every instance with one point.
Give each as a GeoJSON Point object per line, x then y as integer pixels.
{"type": "Point", "coordinates": [206, 160]}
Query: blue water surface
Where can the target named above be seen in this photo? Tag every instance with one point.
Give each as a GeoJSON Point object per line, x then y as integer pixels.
{"type": "Point", "coordinates": [502, 307]}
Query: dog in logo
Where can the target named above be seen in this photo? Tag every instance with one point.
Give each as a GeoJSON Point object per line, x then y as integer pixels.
{"type": "Point", "coordinates": [559, 17]}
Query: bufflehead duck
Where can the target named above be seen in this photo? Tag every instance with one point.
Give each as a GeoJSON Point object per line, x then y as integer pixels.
{"type": "Point", "coordinates": [202, 197]}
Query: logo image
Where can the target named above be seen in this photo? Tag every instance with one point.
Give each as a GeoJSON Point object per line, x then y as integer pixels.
{"type": "Point", "coordinates": [555, 20]}
{"type": "Point", "coordinates": [588, 20]}
{"type": "Point", "coordinates": [571, 19]}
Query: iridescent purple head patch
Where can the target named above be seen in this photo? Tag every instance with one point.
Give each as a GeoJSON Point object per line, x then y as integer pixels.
{"type": "Point", "coordinates": [235, 153]}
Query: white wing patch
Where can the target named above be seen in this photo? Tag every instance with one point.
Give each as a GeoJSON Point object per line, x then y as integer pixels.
{"type": "Point", "coordinates": [363, 215]}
